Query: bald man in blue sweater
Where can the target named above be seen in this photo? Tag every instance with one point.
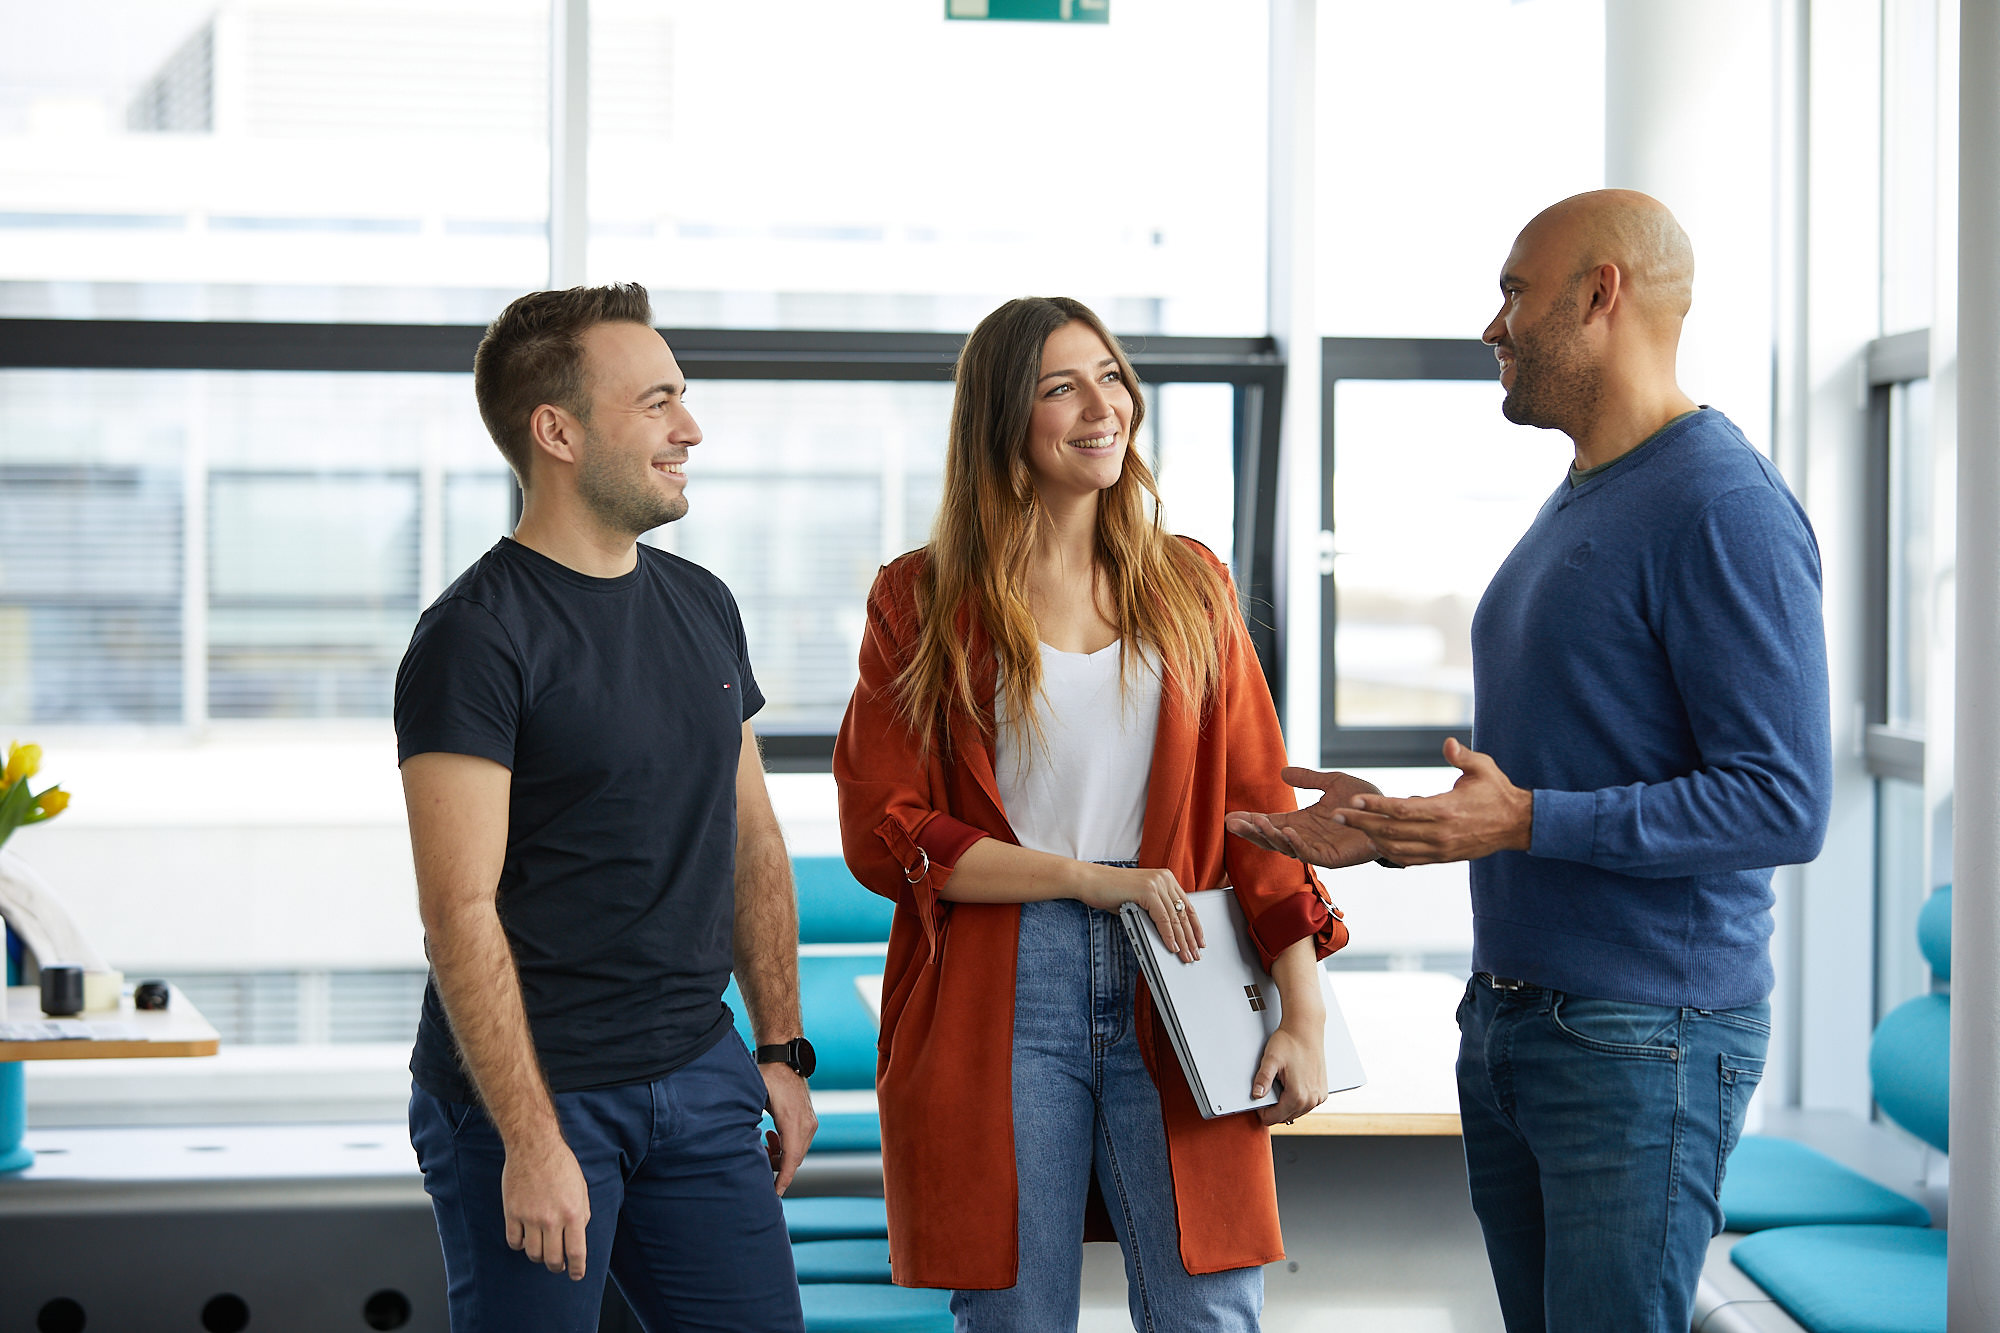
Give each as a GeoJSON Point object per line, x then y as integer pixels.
{"type": "Point", "coordinates": [1651, 739]}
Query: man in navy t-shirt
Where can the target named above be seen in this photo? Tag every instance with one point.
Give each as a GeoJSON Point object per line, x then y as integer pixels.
{"type": "Point", "coordinates": [1651, 739]}
{"type": "Point", "coordinates": [595, 853]}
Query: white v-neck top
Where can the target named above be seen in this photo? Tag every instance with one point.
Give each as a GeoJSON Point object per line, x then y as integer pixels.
{"type": "Point", "coordinates": [1082, 793]}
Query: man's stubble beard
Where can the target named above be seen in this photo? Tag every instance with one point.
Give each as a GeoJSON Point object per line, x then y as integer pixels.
{"type": "Point", "coordinates": [1556, 385]}
{"type": "Point", "coordinates": [620, 501]}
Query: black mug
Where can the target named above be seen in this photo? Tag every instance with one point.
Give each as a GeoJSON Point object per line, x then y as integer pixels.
{"type": "Point", "coordinates": [62, 990]}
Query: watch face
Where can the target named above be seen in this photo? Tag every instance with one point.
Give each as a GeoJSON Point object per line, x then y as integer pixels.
{"type": "Point", "coordinates": [803, 1059]}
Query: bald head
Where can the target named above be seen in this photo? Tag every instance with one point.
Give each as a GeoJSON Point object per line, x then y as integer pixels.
{"type": "Point", "coordinates": [1592, 299]}
{"type": "Point", "coordinates": [1628, 229]}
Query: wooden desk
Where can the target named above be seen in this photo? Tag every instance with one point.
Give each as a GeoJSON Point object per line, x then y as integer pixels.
{"type": "Point", "coordinates": [1404, 1026]}
{"type": "Point", "coordinates": [177, 1030]}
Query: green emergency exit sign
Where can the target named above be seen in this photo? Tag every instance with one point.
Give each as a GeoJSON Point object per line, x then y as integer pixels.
{"type": "Point", "coordinates": [1031, 11]}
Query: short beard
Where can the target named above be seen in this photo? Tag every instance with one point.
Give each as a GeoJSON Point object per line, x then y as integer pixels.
{"type": "Point", "coordinates": [615, 498]}
{"type": "Point", "coordinates": [1556, 384]}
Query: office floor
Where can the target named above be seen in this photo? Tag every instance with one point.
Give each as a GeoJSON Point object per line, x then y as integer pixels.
{"type": "Point", "coordinates": [1379, 1238]}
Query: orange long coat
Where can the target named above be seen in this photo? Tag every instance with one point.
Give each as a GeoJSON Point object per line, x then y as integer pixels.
{"type": "Point", "coordinates": [944, 1066]}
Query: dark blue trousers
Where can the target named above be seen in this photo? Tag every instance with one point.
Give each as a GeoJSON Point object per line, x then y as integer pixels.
{"type": "Point", "coordinates": [683, 1216]}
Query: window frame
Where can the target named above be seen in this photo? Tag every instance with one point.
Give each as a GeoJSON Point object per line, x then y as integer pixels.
{"type": "Point", "coordinates": [1375, 359]}
{"type": "Point", "coordinates": [1890, 363]}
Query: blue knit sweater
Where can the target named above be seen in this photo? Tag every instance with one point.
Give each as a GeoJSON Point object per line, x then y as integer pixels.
{"type": "Point", "coordinates": [1650, 662]}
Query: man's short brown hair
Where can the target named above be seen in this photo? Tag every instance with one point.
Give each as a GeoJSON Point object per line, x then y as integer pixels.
{"type": "Point", "coordinates": [533, 354]}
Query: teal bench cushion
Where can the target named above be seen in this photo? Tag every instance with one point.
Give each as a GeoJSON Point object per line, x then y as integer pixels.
{"type": "Point", "coordinates": [1851, 1279]}
{"type": "Point", "coordinates": [839, 1024]}
{"type": "Point", "coordinates": [841, 1131]}
{"type": "Point", "coordinates": [834, 911]}
{"type": "Point", "coordinates": [836, 1218]}
{"type": "Point", "coordinates": [841, 1260]}
{"type": "Point", "coordinates": [1779, 1183]}
{"type": "Point", "coordinates": [834, 908]}
{"type": "Point", "coordinates": [853, 1307]}
{"type": "Point", "coordinates": [848, 1131]}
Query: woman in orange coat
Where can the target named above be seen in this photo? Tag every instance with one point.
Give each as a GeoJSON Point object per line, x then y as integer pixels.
{"type": "Point", "coordinates": [1058, 704]}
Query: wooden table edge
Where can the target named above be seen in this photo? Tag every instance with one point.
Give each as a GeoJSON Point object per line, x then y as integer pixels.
{"type": "Point", "coordinates": [1411, 1123]}
{"type": "Point", "coordinates": [106, 1050]}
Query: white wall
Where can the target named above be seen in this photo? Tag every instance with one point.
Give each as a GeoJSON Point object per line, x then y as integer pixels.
{"type": "Point", "coordinates": [282, 851]}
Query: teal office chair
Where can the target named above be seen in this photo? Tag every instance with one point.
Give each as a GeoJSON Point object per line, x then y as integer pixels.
{"type": "Point", "coordinates": [1876, 1277]}
{"type": "Point", "coordinates": [1776, 1182]}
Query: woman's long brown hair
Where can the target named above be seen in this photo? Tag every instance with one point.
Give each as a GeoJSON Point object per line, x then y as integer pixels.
{"type": "Point", "coordinates": [1163, 593]}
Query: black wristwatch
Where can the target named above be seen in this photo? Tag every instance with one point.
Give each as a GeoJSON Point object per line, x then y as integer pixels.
{"type": "Point", "coordinates": [798, 1053]}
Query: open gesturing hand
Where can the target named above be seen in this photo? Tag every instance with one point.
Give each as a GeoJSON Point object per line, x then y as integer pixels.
{"type": "Point", "coordinates": [1315, 834]}
{"type": "Point", "coordinates": [1483, 813]}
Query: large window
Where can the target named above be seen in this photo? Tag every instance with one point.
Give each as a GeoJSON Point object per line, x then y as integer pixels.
{"type": "Point", "coordinates": [187, 546]}
{"type": "Point", "coordinates": [1428, 489]}
{"type": "Point", "coordinates": [272, 159]}
{"type": "Point", "coordinates": [787, 165]}
{"type": "Point", "coordinates": [874, 166]}
{"type": "Point", "coordinates": [1443, 127]}
{"type": "Point", "coordinates": [244, 542]}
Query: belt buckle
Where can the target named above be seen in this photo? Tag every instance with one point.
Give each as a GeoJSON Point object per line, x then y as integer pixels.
{"type": "Point", "coordinates": [1508, 983]}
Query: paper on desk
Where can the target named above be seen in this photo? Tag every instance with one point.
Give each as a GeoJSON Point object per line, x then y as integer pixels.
{"type": "Point", "coordinates": [48, 1029]}
{"type": "Point", "coordinates": [69, 1029]}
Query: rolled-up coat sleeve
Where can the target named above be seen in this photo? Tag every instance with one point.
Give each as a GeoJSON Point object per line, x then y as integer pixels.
{"type": "Point", "coordinates": [896, 841]}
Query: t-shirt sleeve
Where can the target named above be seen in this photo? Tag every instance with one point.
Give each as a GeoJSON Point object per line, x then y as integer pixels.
{"type": "Point", "coordinates": [753, 698]}
{"type": "Point", "coordinates": [459, 688]}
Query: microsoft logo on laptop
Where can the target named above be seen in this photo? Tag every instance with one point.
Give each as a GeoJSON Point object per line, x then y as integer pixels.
{"type": "Point", "coordinates": [1256, 995]}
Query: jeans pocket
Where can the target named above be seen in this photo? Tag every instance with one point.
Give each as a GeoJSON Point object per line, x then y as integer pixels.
{"type": "Point", "coordinates": [1617, 1027]}
{"type": "Point", "coordinates": [459, 1114]}
{"type": "Point", "coordinates": [1754, 1019]}
{"type": "Point", "coordinates": [1739, 1077]}
{"type": "Point", "coordinates": [1464, 1002]}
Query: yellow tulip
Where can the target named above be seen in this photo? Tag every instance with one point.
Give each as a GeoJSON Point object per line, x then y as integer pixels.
{"type": "Point", "coordinates": [23, 761]}
{"type": "Point", "coordinates": [49, 804]}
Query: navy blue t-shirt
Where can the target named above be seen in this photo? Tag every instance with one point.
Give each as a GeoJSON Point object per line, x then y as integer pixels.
{"type": "Point", "coordinates": [618, 704]}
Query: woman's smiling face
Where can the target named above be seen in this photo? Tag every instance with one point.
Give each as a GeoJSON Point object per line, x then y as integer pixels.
{"type": "Point", "coordinates": [1083, 412]}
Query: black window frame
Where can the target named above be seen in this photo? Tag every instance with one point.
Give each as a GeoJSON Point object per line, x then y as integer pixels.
{"type": "Point", "coordinates": [1891, 362]}
{"type": "Point", "coordinates": [1375, 359]}
{"type": "Point", "coordinates": [1252, 366]}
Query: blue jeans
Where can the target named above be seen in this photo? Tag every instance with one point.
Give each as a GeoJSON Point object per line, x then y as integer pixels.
{"type": "Point", "coordinates": [683, 1216]}
{"type": "Point", "coordinates": [1084, 1104]}
{"type": "Point", "coordinates": [1596, 1132]}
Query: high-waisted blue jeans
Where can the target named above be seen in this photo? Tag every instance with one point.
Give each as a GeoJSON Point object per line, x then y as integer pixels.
{"type": "Point", "coordinates": [1084, 1104]}
{"type": "Point", "coordinates": [1596, 1132]}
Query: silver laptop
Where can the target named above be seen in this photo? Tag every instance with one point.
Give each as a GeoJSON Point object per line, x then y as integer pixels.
{"type": "Point", "coordinates": [1222, 1008]}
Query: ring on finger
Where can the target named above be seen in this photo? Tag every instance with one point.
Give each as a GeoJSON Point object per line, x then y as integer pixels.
{"type": "Point", "coordinates": [1180, 904]}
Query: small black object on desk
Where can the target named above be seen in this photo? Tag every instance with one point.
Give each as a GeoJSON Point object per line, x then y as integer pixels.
{"type": "Point", "coordinates": [62, 990]}
{"type": "Point", "coordinates": [150, 995]}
